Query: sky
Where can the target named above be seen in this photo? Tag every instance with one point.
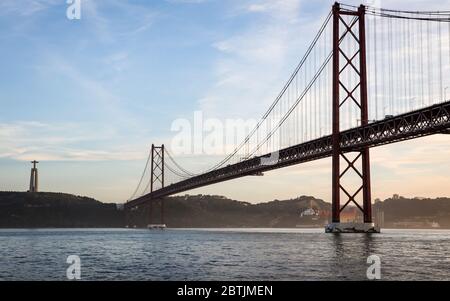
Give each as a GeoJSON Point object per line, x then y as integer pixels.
{"type": "Point", "coordinates": [88, 97]}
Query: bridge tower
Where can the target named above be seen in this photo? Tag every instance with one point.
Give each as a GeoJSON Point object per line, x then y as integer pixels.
{"type": "Point", "coordinates": [348, 24]}
{"type": "Point", "coordinates": [157, 178]}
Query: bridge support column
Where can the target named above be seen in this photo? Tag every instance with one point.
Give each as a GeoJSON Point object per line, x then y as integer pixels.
{"type": "Point", "coordinates": [344, 67]}
{"type": "Point", "coordinates": [335, 111]}
{"type": "Point", "coordinates": [157, 178]}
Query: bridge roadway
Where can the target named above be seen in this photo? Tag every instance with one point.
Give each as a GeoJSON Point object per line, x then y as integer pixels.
{"type": "Point", "coordinates": [430, 120]}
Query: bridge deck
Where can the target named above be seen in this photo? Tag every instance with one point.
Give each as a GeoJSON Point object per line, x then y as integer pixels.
{"type": "Point", "coordinates": [426, 121]}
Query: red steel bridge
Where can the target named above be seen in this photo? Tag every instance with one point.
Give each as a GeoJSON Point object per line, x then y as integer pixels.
{"type": "Point", "coordinates": [370, 77]}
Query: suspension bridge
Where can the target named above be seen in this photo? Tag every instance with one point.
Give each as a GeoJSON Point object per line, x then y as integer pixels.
{"type": "Point", "coordinates": [370, 77]}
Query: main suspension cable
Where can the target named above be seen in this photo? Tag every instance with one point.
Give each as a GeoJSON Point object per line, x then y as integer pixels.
{"type": "Point", "coordinates": [142, 177]}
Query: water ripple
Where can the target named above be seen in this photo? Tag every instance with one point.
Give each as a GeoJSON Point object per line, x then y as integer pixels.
{"type": "Point", "coordinates": [231, 254]}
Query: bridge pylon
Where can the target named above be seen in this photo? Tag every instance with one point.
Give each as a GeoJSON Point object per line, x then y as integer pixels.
{"type": "Point", "coordinates": [157, 179]}
{"type": "Point", "coordinates": [348, 24]}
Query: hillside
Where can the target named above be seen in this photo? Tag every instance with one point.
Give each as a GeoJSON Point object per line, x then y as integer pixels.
{"type": "Point", "coordinates": [47, 209]}
{"type": "Point", "coordinates": [400, 212]}
{"type": "Point", "coordinates": [217, 211]}
{"type": "Point", "coordinates": [59, 210]}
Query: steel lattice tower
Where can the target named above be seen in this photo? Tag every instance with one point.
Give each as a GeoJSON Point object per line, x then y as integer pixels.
{"type": "Point", "coordinates": [157, 177]}
{"type": "Point", "coordinates": [357, 24]}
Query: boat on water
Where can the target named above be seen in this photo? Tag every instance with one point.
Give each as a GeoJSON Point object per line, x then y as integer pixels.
{"type": "Point", "coordinates": [156, 226]}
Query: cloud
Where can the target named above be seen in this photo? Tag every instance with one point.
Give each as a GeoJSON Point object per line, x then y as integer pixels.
{"type": "Point", "coordinates": [257, 7]}
{"type": "Point", "coordinates": [26, 8]}
{"type": "Point", "coordinates": [98, 21]}
{"type": "Point", "coordinates": [22, 140]}
{"type": "Point", "coordinates": [284, 9]}
{"type": "Point", "coordinates": [114, 20]}
{"type": "Point", "coordinates": [26, 141]}
{"type": "Point", "coordinates": [187, 1]}
{"type": "Point", "coordinates": [118, 61]}
{"type": "Point", "coordinates": [100, 95]}
{"type": "Point", "coordinates": [255, 62]}
{"type": "Point", "coordinates": [420, 156]}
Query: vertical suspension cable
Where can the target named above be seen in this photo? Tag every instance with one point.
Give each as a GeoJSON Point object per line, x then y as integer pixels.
{"type": "Point", "coordinates": [410, 68]}
{"type": "Point", "coordinates": [391, 68]}
{"type": "Point", "coordinates": [440, 61]}
{"type": "Point", "coordinates": [398, 64]}
{"type": "Point", "coordinates": [383, 71]}
{"type": "Point", "coordinates": [310, 118]}
{"type": "Point", "coordinates": [315, 97]}
{"type": "Point", "coordinates": [405, 70]}
{"type": "Point", "coordinates": [305, 110]}
{"type": "Point", "coordinates": [401, 99]}
{"type": "Point", "coordinates": [376, 65]}
{"type": "Point", "coordinates": [330, 35]}
{"type": "Point", "coordinates": [319, 112]}
{"type": "Point", "coordinates": [448, 66]}
{"type": "Point", "coordinates": [389, 61]}
{"type": "Point", "coordinates": [416, 65]}
{"type": "Point", "coordinates": [369, 71]}
{"type": "Point", "coordinates": [421, 65]}
{"type": "Point", "coordinates": [349, 80]}
{"type": "Point", "coordinates": [429, 64]}
{"type": "Point", "coordinates": [404, 66]}
{"type": "Point", "coordinates": [296, 112]}
{"type": "Point", "coordinates": [317, 93]}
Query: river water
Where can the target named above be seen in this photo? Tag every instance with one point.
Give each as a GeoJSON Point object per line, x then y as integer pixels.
{"type": "Point", "coordinates": [218, 254]}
